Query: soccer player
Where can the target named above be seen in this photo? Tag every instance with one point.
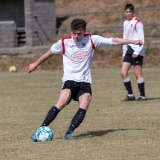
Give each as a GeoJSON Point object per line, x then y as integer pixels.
{"type": "Point", "coordinates": [77, 50]}
{"type": "Point", "coordinates": [133, 54]}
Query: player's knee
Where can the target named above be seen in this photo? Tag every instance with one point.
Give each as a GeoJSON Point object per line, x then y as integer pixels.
{"type": "Point", "coordinates": [124, 74]}
{"type": "Point", "coordinates": [84, 105]}
{"type": "Point", "coordinates": [121, 73]}
{"type": "Point", "coordinates": [138, 75]}
{"type": "Point", "coordinates": [84, 102]}
{"type": "Point", "coordinates": [61, 104]}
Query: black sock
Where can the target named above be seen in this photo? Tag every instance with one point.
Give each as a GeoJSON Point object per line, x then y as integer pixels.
{"type": "Point", "coordinates": [141, 89]}
{"type": "Point", "coordinates": [76, 121]}
{"type": "Point", "coordinates": [52, 113]}
{"type": "Point", "coordinates": [128, 87]}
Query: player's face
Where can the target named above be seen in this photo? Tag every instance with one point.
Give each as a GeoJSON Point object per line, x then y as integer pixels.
{"type": "Point", "coordinates": [78, 35]}
{"type": "Point", "coordinates": [129, 14]}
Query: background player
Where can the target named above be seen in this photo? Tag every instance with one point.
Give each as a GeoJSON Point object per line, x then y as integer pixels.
{"type": "Point", "coordinates": [133, 54]}
{"type": "Point", "coordinates": [78, 50]}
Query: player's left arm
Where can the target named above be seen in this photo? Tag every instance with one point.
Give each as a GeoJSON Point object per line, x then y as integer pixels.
{"type": "Point", "coordinates": [101, 41]}
{"type": "Point", "coordinates": [138, 33]}
{"type": "Point", "coordinates": [121, 41]}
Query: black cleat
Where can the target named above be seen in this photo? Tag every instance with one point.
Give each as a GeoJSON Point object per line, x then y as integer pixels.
{"type": "Point", "coordinates": [129, 98]}
{"type": "Point", "coordinates": [69, 137]}
{"type": "Point", "coordinates": [141, 99]}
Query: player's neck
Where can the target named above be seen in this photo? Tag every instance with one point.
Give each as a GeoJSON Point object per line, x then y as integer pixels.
{"type": "Point", "coordinates": [130, 19]}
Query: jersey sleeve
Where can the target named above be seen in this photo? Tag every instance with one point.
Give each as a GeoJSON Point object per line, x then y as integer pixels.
{"type": "Point", "coordinates": [101, 41]}
{"type": "Point", "coordinates": [138, 36]}
{"type": "Point", "coordinates": [140, 31]}
{"type": "Point", "coordinates": [124, 47]}
{"type": "Point", "coordinates": [56, 47]}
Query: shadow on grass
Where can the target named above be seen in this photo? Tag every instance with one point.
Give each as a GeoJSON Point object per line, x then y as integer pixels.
{"type": "Point", "coordinates": [148, 99]}
{"type": "Point", "coordinates": [102, 132]}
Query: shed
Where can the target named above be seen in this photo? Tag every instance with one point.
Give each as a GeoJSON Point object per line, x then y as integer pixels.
{"type": "Point", "coordinates": [34, 22]}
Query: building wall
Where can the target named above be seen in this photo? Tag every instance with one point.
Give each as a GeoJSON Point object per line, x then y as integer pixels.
{"type": "Point", "coordinates": [40, 21]}
{"type": "Point", "coordinates": [12, 10]}
{"type": "Point", "coordinates": [8, 36]}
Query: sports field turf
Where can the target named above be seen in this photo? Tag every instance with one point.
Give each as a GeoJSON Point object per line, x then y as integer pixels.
{"type": "Point", "coordinates": [112, 130]}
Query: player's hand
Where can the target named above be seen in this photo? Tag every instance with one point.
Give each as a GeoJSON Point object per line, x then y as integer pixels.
{"type": "Point", "coordinates": [32, 67]}
{"type": "Point", "coordinates": [138, 42]}
{"type": "Point", "coordinates": [134, 56]}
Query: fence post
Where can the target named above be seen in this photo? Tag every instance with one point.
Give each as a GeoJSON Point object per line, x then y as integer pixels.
{"type": "Point", "coordinates": [78, 15]}
{"type": "Point", "coordinates": [120, 17]}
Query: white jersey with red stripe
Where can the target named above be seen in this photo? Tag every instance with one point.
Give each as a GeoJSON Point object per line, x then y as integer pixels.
{"type": "Point", "coordinates": [77, 56]}
{"type": "Point", "coordinates": [133, 30]}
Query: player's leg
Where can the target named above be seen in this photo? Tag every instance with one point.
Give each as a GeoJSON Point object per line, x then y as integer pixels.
{"type": "Point", "coordinates": [127, 81]}
{"type": "Point", "coordinates": [64, 97]}
{"type": "Point", "coordinates": [84, 101]}
{"type": "Point", "coordinates": [139, 77]}
{"type": "Point", "coordinates": [84, 97]}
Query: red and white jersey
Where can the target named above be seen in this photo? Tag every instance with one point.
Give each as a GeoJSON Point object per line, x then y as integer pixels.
{"type": "Point", "coordinates": [133, 30]}
{"type": "Point", "coordinates": [77, 56]}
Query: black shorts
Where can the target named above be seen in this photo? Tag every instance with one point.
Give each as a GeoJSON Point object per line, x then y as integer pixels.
{"type": "Point", "coordinates": [134, 61]}
{"type": "Point", "coordinates": [77, 88]}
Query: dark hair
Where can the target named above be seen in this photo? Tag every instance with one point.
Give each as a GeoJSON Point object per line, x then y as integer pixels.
{"type": "Point", "coordinates": [129, 6]}
{"type": "Point", "coordinates": [77, 24]}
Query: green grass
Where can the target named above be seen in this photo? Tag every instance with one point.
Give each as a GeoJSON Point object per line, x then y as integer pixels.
{"type": "Point", "coordinates": [112, 130]}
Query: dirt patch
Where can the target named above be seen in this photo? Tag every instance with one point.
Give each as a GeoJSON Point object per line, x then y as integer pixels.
{"type": "Point", "coordinates": [103, 58]}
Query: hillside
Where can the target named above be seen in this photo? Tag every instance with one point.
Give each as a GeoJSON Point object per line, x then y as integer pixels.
{"type": "Point", "coordinates": [108, 19]}
{"type": "Point", "coordinates": [72, 6]}
{"type": "Point", "coordinates": [104, 57]}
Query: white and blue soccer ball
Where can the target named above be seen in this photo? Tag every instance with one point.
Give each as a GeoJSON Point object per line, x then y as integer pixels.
{"type": "Point", "coordinates": [44, 133]}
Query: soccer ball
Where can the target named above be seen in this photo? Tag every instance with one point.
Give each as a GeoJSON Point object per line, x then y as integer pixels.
{"type": "Point", "coordinates": [44, 133]}
{"type": "Point", "coordinates": [12, 69]}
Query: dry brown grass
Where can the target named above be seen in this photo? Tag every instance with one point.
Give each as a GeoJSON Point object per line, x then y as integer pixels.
{"type": "Point", "coordinates": [103, 58]}
{"type": "Point", "coordinates": [108, 19]}
{"type": "Point", "coordinates": [72, 6]}
{"type": "Point", "coordinates": [112, 130]}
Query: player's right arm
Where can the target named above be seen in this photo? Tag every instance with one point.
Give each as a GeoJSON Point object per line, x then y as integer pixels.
{"type": "Point", "coordinates": [55, 49]}
{"type": "Point", "coordinates": [44, 57]}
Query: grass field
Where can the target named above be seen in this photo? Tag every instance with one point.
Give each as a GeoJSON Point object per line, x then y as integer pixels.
{"type": "Point", "coordinates": [112, 130]}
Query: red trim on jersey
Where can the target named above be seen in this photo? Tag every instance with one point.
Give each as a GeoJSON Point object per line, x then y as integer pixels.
{"type": "Point", "coordinates": [86, 35]}
{"type": "Point", "coordinates": [69, 37]}
{"type": "Point", "coordinates": [93, 46]}
{"type": "Point", "coordinates": [63, 47]}
{"type": "Point", "coordinates": [136, 23]}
